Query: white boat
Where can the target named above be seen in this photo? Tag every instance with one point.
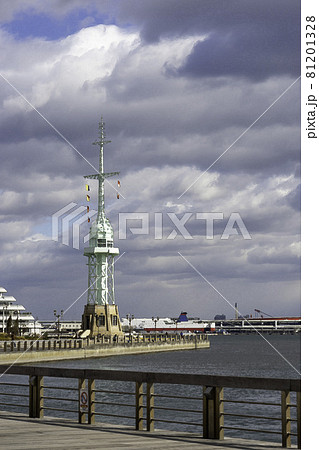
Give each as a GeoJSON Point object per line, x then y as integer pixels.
{"type": "Point", "coordinates": [164, 325]}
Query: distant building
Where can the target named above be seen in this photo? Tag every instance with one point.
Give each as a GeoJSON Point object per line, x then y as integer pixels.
{"type": "Point", "coordinates": [66, 328]}
{"type": "Point", "coordinates": [220, 317]}
{"type": "Point", "coordinates": [25, 321]}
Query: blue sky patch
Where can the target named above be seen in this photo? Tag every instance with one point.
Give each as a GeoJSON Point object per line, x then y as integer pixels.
{"type": "Point", "coordinates": [30, 25]}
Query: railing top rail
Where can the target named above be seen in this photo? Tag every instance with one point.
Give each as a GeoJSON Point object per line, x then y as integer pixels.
{"type": "Point", "coordinates": [276, 384]}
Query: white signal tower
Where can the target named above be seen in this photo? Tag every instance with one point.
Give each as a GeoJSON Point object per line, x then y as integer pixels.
{"type": "Point", "coordinates": [101, 315]}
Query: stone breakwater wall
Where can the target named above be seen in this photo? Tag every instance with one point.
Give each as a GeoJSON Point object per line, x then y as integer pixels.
{"type": "Point", "coordinates": [98, 351]}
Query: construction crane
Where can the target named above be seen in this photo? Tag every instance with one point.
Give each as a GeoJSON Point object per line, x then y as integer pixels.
{"type": "Point", "coordinates": [262, 313]}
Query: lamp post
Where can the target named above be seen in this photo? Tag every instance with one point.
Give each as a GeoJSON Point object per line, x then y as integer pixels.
{"type": "Point", "coordinates": [35, 322]}
{"type": "Point", "coordinates": [18, 323]}
{"type": "Point", "coordinates": [58, 319]}
{"type": "Point", "coordinates": [4, 318]}
{"type": "Point", "coordinates": [155, 319]}
{"type": "Point", "coordinates": [130, 317]}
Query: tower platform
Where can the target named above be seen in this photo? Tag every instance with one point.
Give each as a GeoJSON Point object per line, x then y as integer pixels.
{"type": "Point", "coordinates": [102, 320]}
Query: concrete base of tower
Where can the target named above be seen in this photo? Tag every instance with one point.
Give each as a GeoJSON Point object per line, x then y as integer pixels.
{"type": "Point", "coordinates": [103, 320]}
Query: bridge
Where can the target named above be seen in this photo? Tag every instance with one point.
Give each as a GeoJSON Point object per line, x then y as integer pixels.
{"type": "Point", "coordinates": [280, 325]}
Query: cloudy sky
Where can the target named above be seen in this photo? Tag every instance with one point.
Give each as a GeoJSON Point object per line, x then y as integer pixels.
{"type": "Point", "coordinates": [201, 101]}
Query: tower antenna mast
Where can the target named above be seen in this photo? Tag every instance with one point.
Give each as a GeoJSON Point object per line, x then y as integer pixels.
{"type": "Point", "coordinates": [101, 313]}
{"type": "Point", "coordinates": [101, 176]}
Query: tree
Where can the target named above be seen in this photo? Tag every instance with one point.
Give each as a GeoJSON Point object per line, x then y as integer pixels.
{"type": "Point", "coordinates": [9, 325]}
{"type": "Point", "coordinates": [15, 329]}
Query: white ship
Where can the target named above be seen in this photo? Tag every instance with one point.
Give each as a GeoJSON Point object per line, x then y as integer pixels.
{"type": "Point", "coordinates": [25, 322]}
{"type": "Point", "coordinates": [164, 325]}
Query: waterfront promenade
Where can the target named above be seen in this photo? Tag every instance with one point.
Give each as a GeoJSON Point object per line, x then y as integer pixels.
{"type": "Point", "coordinates": [19, 432]}
{"type": "Point", "coordinates": [206, 404]}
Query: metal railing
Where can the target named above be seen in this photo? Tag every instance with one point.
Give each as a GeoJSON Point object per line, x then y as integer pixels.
{"type": "Point", "coordinates": [64, 344]}
{"type": "Point", "coordinates": [178, 397]}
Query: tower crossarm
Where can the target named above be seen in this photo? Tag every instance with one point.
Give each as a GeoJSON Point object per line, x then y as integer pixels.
{"type": "Point", "coordinates": [101, 175]}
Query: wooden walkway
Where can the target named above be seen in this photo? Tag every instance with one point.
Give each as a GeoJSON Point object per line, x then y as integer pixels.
{"type": "Point", "coordinates": [19, 432]}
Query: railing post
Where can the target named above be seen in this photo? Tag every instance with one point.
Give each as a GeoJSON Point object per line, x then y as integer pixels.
{"type": "Point", "coordinates": [40, 410]}
{"type": "Point", "coordinates": [299, 419]}
{"type": "Point", "coordinates": [81, 413]}
{"type": "Point", "coordinates": [150, 407]}
{"type": "Point", "coordinates": [213, 413]}
{"type": "Point", "coordinates": [91, 410]}
{"type": "Point", "coordinates": [208, 413]}
{"type": "Point", "coordinates": [36, 396]}
{"type": "Point", "coordinates": [138, 406]}
{"type": "Point", "coordinates": [285, 419]}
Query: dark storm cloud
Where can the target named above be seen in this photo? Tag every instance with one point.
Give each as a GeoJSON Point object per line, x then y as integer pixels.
{"type": "Point", "coordinates": [245, 38]}
{"type": "Point", "coordinates": [160, 18]}
{"type": "Point", "coordinates": [247, 52]}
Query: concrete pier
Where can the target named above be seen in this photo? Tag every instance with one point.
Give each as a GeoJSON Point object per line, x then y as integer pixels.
{"type": "Point", "coordinates": [58, 353]}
